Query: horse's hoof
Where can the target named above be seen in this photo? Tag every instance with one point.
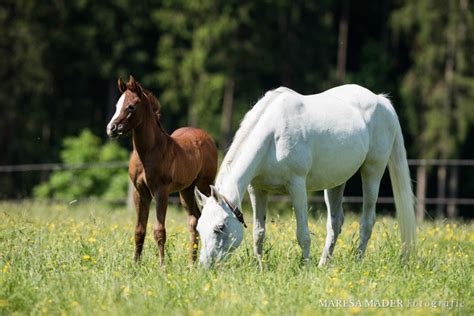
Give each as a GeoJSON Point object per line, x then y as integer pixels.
{"type": "Point", "coordinates": [304, 262]}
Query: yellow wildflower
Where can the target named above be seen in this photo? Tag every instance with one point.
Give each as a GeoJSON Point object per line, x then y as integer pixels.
{"type": "Point", "coordinates": [6, 267]}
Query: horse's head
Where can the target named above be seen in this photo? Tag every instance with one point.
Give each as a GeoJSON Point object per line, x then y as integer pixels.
{"type": "Point", "coordinates": [130, 108]}
{"type": "Point", "coordinates": [220, 227]}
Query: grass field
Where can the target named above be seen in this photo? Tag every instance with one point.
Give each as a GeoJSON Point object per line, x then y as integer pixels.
{"type": "Point", "coordinates": [62, 259]}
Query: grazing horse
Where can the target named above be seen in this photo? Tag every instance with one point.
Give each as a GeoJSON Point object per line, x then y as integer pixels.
{"type": "Point", "coordinates": [293, 143]}
{"type": "Point", "coordinates": [161, 164]}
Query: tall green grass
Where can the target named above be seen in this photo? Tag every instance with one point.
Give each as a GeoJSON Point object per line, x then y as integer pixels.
{"type": "Point", "coordinates": [77, 260]}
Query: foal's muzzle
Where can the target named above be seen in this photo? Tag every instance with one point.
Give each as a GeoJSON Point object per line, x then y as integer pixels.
{"type": "Point", "coordinates": [115, 130]}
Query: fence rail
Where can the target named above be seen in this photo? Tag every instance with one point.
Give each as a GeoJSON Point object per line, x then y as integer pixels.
{"type": "Point", "coordinates": [445, 185]}
{"type": "Point", "coordinates": [62, 166]}
{"type": "Point", "coordinates": [124, 164]}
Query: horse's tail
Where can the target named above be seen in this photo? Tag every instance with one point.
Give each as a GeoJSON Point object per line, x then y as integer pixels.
{"type": "Point", "coordinates": [403, 193]}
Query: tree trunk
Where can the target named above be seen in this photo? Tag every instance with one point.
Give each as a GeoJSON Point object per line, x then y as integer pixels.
{"type": "Point", "coordinates": [227, 112]}
{"type": "Point", "coordinates": [444, 142]}
{"type": "Point", "coordinates": [342, 42]}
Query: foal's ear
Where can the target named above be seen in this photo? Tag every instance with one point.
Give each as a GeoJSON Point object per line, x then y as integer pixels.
{"type": "Point", "coordinates": [200, 198]}
{"type": "Point", "coordinates": [134, 85]}
{"type": "Point", "coordinates": [121, 85]}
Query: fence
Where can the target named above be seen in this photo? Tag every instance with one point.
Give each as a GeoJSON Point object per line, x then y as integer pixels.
{"type": "Point", "coordinates": [447, 184]}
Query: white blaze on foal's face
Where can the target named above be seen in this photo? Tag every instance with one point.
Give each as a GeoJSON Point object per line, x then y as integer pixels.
{"type": "Point", "coordinates": [219, 229]}
{"type": "Point", "coordinates": [118, 110]}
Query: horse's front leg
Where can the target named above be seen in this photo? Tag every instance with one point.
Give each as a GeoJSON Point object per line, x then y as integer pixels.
{"type": "Point", "coordinates": [258, 199]}
{"type": "Point", "coordinates": [159, 230]}
{"type": "Point", "coordinates": [142, 205]}
{"type": "Point", "coordinates": [297, 190]}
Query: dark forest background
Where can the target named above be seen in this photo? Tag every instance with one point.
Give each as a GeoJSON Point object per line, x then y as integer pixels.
{"type": "Point", "coordinates": [209, 61]}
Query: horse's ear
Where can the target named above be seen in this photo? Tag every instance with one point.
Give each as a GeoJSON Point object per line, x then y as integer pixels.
{"type": "Point", "coordinates": [216, 195]}
{"type": "Point", "coordinates": [200, 198]}
{"type": "Point", "coordinates": [121, 85]}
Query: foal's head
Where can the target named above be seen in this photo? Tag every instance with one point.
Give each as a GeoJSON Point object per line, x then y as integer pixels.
{"type": "Point", "coordinates": [220, 227]}
{"type": "Point", "coordinates": [134, 105]}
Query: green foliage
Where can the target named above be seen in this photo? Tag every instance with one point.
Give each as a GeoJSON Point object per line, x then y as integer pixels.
{"type": "Point", "coordinates": [438, 87]}
{"type": "Point", "coordinates": [194, 58]}
{"type": "Point", "coordinates": [58, 261]}
{"type": "Point", "coordinates": [86, 148]}
{"type": "Point", "coordinates": [190, 52]}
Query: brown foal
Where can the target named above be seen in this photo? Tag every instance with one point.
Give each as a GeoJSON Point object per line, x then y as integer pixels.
{"type": "Point", "coordinates": [161, 164]}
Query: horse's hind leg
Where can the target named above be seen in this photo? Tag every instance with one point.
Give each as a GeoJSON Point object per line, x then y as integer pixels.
{"type": "Point", "coordinates": [187, 200]}
{"type": "Point", "coordinates": [142, 204]}
{"type": "Point", "coordinates": [371, 175]}
{"type": "Point", "coordinates": [335, 219]}
{"type": "Point", "coordinates": [258, 199]}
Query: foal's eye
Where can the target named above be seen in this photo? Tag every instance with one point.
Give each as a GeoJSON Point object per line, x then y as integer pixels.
{"type": "Point", "coordinates": [131, 108]}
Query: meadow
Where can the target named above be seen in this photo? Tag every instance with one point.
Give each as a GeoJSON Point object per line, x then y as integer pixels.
{"type": "Point", "coordinates": [77, 260]}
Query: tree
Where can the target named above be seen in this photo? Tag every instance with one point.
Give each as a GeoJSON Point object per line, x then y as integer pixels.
{"type": "Point", "coordinates": [24, 81]}
{"type": "Point", "coordinates": [59, 62]}
{"type": "Point", "coordinates": [439, 87]}
{"type": "Point", "coordinates": [194, 58]}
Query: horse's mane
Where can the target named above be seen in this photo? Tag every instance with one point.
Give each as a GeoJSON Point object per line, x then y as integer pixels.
{"type": "Point", "coordinates": [246, 126]}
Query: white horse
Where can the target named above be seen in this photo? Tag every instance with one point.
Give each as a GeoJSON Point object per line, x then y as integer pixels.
{"type": "Point", "coordinates": [293, 143]}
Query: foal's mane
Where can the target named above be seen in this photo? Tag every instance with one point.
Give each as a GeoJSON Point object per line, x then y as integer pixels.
{"type": "Point", "coordinates": [154, 103]}
{"type": "Point", "coordinates": [246, 127]}
{"type": "Point", "coordinates": [137, 88]}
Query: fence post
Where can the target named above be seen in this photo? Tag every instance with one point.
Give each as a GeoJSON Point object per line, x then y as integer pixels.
{"type": "Point", "coordinates": [442, 173]}
{"type": "Point", "coordinates": [420, 190]}
{"type": "Point", "coordinates": [452, 209]}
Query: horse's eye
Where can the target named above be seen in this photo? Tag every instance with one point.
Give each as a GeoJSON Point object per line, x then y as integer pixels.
{"type": "Point", "coordinates": [219, 229]}
{"type": "Point", "coordinates": [131, 108]}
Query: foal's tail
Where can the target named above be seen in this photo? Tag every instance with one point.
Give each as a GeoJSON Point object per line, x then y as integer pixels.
{"type": "Point", "coordinates": [403, 193]}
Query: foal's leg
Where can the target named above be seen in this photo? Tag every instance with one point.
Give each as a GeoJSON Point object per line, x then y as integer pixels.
{"type": "Point", "coordinates": [297, 190]}
{"type": "Point", "coordinates": [189, 203]}
{"type": "Point", "coordinates": [371, 175]}
{"type": "Point", "coordinates": [142, 204]}
{"type": "Point", "coordinates": [159, 230]}
{"type": "Point", "coordinates": [335, 219]}
{"type": "Point", "coordinates": [258, 199]}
